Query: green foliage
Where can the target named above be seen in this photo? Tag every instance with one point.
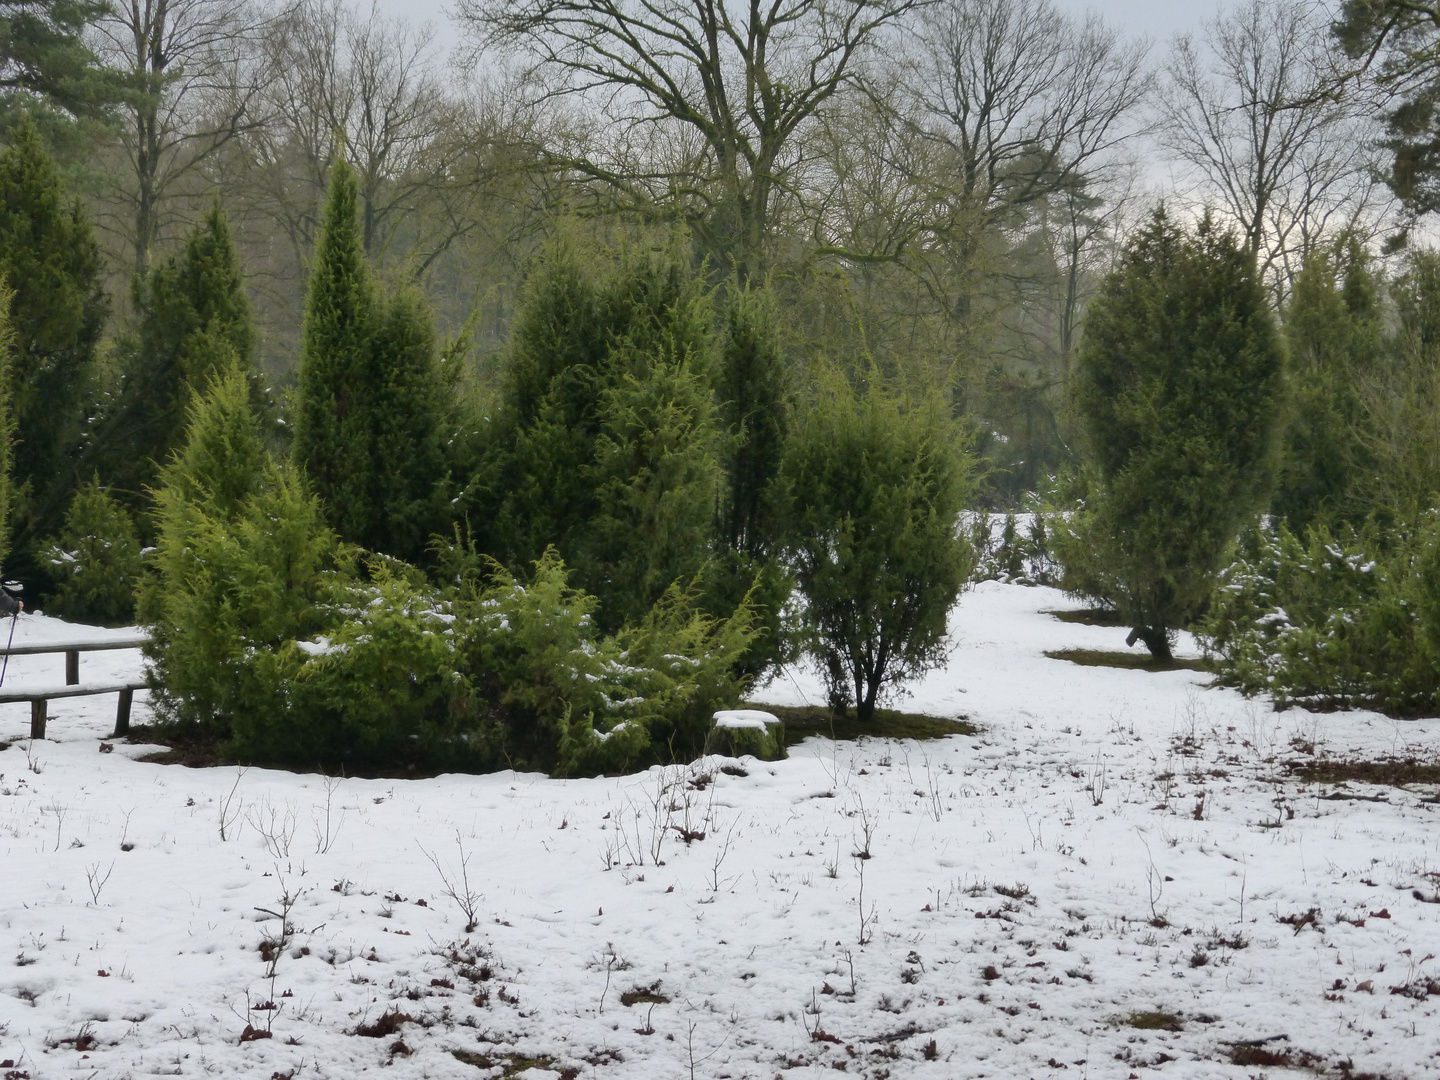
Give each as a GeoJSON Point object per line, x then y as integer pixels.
{"type": "Point", "coordinates": [7, 420]}
{"type": "Point", "coordinates": [1333, 329]}
{"type": "Point", "coordinates": [244, 564]}
{"type": "Point", "coordinates": [95, 560]}
{"type": "Point", "coordinates": [1178, 388]}
{"type": "Point", "coordinates": [376, 689]}
{"type": "Point", "coordinates": [329, 420]}
{"type": "Point", "coordinates": [766, 744]}
{"type": "Point", "coordinates": [876, 487]}
{"type": "Point", "coordinates": [265, 632]}
{"type": "Point", "coordinates": [1332, 619]}
{"type": "Point", "coordinates": [49, 257]}
{"type": "Point", "coordinates": [1397, 41]}
{"type": "Point", "coordinates": [755, 403]}
{"type": "Point", "coordinates": [46, 66]}
{"type": "Point", "coordinates": [1401, 400]}
{"type": "Point", "coordinates": [262, 629]}
{"type": "Point", "coordinates": [559, 693]}
{"type": "Point", "coordinates": [609, 427]}
{"type": "Point", "coordinates": [372, 399]}
{"type": "Point", "coordinates": [194, 321]}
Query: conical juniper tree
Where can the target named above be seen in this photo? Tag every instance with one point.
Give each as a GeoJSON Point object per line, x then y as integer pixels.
{"type": "Point", "coordinates": [194, 321]}
{"type": "Point", "coordinates": [50, 259]}
{"type": "Point", "coordinates": [368, 430]}
{"type": "Point", "coordinates": [754, 400]}
{"type": "Point", "coordinates": [240, 565]}
{"type": "Point", "coordinates": [7, 424]}
{"type": "Point", "coordinates": [407, 402]}
{"type": "Point", "coordinates": [334, 363]}
{"type": "Point", "coordinates": [1178, 390]}
{"type": "Point", "coordinates": [609, 420]}
{"type": "Point", "coordinates": [876, 487]}
{"type": "Point", "coordinates": [1333, 327]}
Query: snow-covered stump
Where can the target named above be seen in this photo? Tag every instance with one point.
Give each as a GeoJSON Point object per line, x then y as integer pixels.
{"type": "Point", "coordinates": [738, 732]}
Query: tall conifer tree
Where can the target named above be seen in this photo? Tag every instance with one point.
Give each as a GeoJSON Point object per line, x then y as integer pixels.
{"type": "Point", "coordinates": [7, 425]}
{"type": "Point", "coordinates": [1178, 388]}
{"type": "Point", "coordinates": [194, 322]}
{"type": "Point", "coordinates": [1334, 330]}
{"type": "Point", "coordinates": [368, 430]}
{"type": "Point", "coordinates": [49, 256]}
{"type": "Point", "coordinates": [338, 309]}
{"type": "Point", "coordinates": [611, 427]}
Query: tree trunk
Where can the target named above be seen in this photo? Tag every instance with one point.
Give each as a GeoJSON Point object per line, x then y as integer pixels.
{"type": "Point", "coordinates": [1157, 641]}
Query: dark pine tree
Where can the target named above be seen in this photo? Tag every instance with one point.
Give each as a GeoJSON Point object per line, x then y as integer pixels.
{"type": "Point", "coordinates": [194, 321]}
{"type": "Point", "coordinates": [369, 428]}
{"type": "Point", "coordinates": [608, 427]}
{"type": "Point", "coordinates": [1178, 388]}
{"type": "Point", "coordinates": [754, 397]}
{"type": "Point", "coordinates": [48, 73]}
{"type": "Point", "coordinates": [49, 257]}
{"type": "Point", "coordinates": [407, 402]}
{"type": "Point", "coordinates": [330, 438]}
{"type": "Point", "coordinates": [1334, 329]}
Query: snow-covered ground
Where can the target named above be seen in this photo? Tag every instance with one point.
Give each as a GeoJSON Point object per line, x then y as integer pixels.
{"type": "Point", "coordinates": [1112, 843]}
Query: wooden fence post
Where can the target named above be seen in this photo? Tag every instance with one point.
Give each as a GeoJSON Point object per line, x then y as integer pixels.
{"type": "Point", "coordinates": [122, 712]}
{"type": "Point", "coordinates": [37, 718]}
{"type": "Point", "coordinates": [72, 667]}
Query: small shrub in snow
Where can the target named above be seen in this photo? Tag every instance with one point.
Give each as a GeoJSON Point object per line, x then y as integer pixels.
{"type": "Point", "coordinates": [876, 487]}
{"type": "Point", "coordinates": [1333, 619]}
{"type": "Point", "coordinates": [94, 560]}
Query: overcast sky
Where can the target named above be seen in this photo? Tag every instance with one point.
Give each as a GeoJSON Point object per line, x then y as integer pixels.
{"type": "Point", "coordinates": [1157, 19]}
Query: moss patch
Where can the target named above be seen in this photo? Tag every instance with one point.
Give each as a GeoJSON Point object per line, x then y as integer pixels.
{"type": "Point", "coordinates": [1134, 661]}
{"type": "Point", "coordinates": [1389, 772]}
{"type": "Point", "coordinates": [803, 721]}
{"type": "Point", "coordinates": [1089, 617]}
{"type": "Point", "coordinates": [1154, 1021]}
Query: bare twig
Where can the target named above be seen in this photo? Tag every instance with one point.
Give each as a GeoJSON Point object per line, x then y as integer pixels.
{"type": "Point", "coordinates": [456, 885]}
{"type": "Point", "coordinates": [97, 883]}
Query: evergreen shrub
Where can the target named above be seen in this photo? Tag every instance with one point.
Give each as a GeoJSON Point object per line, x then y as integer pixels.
{"type": "Point", "coordinates": [876, 487]}
{"type": "Point", "coordinates": [274, 635]}
{"type": "Point", "coordinates": [1178, 389]}
{"type": "Point", "coordinates": [95, 560]}
{"type": "Point", "coordinates": [1332, 619]}
{"type": "Point", "coordinates": [555, 692]}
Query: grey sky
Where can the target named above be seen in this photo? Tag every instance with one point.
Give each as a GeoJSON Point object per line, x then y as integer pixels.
{"type": "Point", "coordinates": [1157, 19]}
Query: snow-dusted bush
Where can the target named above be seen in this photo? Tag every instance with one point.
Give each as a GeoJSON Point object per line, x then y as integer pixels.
{"type": "Point", "coordinates": [94, 560]}
{"type": "Point", "coordinates": [555, 692]}
{"type": "Point", "coordinates": [876, 485]}
{"type": "Point", "coordinates": [1332, 619]}
{"type": "Point", "coordinates": [1013, 548]}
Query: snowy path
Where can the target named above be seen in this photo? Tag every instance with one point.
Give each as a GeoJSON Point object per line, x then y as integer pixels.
{"type": "Point", "coordinates": [1007, 906]}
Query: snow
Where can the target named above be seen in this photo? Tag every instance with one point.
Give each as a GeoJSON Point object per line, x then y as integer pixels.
{"type": "Point", "coordinates": [1005, 910]}
{"type": "Point", "coordinates": [754, 719]}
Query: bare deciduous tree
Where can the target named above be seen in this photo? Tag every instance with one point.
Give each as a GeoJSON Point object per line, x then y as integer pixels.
{"type": "Point", "coordinates": [357, 84]}
{"type": "Point", "coordinates": [1262, 121]}
{"type": "Point", "coordinates": [193, 71]}
{"type": "Point", "coordinates": [702, 102]}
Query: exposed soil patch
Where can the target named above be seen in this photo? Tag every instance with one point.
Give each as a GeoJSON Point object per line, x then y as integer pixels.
{"type": "Point", "coordinates": [802, 721]}
{"type": "Point", "coordinates": [1389, 772]}
{"type": "Point", "coordinates": [1155, 1021]}
{"type": "Point", "coordinates": [1136, 661]}
{"type": "Point", "coordinates": [1089, 617]}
